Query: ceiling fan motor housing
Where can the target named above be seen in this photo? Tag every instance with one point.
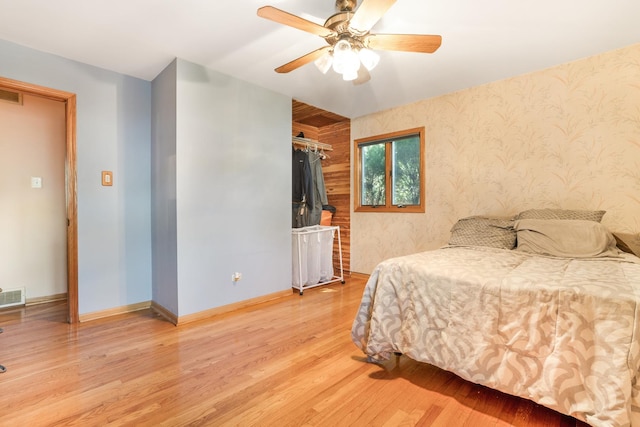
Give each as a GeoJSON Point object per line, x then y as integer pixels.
{"type": "Point", "coordinates": [339, 23]}
{"type": "Point", "coordinates": [346, 5]}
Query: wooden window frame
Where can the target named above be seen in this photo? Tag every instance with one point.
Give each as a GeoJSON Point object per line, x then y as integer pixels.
{"type": "Point", "coordinates": [388, 138]}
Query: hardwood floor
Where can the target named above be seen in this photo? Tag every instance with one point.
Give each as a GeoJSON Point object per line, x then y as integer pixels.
{"type": "Point", "coordinates": [285, 363]}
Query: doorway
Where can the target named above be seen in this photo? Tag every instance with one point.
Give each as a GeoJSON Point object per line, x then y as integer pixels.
{"type": "Point", "coordinates": [69, 100]}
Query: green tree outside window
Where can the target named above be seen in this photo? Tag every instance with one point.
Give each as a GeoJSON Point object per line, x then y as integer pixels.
{"type": "Point", "coordinates": [389, 172]}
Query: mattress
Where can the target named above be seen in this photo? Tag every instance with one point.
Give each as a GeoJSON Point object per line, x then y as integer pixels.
{"type": "Point", "coordinates": [562, 332]}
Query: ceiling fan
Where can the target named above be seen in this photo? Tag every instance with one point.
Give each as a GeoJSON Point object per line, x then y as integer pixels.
{"type": "Point", "coordinates": [350, 43]}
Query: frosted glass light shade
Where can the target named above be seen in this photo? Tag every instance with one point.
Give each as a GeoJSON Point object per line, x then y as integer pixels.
{"type": "Point", "coordinates": [368, 58]}
{"type": "Point", "coordinates": [346, 60]}
{"type": "Point", "coordinates": [341, 53]}
{"type": "Point", "coordinates": [324, 62]}
{"type": "Point", "coordinates": [349, 75]}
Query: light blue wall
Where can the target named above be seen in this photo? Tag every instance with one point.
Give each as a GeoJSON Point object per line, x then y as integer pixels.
{"type": "Point", "coordinates": [113, 133]}
{"type": "Point", "coordinates": [163, 189]}
{"type": "Point", "coordinates": [233, 169]}
{"type": "Point", "coordinates": [220, 191]}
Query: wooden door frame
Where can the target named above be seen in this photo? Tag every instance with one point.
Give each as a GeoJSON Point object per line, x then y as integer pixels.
{"type": "Point", "coordinates": [69, 100]}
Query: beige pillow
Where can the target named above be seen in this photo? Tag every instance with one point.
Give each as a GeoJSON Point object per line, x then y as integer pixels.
{"type": "Point", "coordinates": [483, 231]}
{"type": "Point", "coordinates": [561, 214]}
{"type": "Point", "coordinates": [628, 243]}
{"type": "Point", "coordinates": [565, 238]}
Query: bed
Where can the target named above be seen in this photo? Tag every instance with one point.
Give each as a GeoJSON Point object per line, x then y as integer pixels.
{"type": "Point", "coordinates": [543, 306]}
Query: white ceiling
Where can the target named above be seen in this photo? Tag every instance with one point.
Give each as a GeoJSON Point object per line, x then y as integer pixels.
{"type": "Point", "coordinates": [483, 41]}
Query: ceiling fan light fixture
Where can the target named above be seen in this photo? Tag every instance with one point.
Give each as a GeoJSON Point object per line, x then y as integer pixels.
{"type": "Point", "coordinates": [352, 63]}
{"type": "Point", "coordinates": [324, 62]}
{"type": "Point", "coordinates": [345, 59]}
{"type": "Point", "coordinates": [349, 75]}
{"type": "Point", "coordinates": [368, 58]}
{"type": "Point", "coordinates": [350, 41]}
{"type": "Point", "coordinates": [341, 53]}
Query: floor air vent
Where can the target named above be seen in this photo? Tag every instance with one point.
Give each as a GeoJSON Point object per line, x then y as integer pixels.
{"type": "Point", "coordinates": [11, 297]}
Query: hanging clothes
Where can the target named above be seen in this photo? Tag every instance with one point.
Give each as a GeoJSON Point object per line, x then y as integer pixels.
{"type": "Point", "coordinates": [303, 189]}
{"type": "Point", "coordinates": [314, 213]}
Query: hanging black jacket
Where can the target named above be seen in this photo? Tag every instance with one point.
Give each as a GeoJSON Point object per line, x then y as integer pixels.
{"type": "Point", "coordinates": [302, 180]}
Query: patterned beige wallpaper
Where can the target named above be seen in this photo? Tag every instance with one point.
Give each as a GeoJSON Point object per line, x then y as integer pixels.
{"type": "Point", "coordinates": [565, 137]}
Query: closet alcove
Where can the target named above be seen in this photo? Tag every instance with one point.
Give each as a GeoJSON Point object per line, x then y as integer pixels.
{"type": "Point", "coordinates": [335, 130]}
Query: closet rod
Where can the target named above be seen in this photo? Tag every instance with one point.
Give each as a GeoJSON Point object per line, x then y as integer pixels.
{"type": "Point", "coordinates": [310, 143]}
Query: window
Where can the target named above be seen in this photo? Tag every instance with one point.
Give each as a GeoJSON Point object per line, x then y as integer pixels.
{"type": "Point", "coordinates": [389, 172]}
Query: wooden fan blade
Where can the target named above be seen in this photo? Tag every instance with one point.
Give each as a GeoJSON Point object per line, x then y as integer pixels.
{"type": "Point", "coordinates": [405, 42]}
{"type": "Point", "coordinates": [363, 76]}
{"type": "Point", "coordinates": [369, 12]}
{"type": "Point", "coordinates": [286, 18]}
{"type": "Point", "coordinates": [303, 60]}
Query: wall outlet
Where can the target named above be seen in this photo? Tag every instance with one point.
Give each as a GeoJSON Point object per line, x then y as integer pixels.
{"type": "Point", "coordinates": [36, 182]}
{"type": "Point", "coordinates": [236, 276]}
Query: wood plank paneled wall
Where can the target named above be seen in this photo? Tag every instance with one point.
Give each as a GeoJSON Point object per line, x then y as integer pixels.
{"type": "Point", "coordinates": [336, 171]}
{"type": "Point", "coordinates": [333, 129]}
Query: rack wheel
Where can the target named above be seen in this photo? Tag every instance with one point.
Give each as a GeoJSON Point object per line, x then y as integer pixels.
{"type": "Point", "coordinates": [342, 282]}
{"type": "Point", "coordinates": [301, 293]}
{"type": "Point", "coordinates": [2, 369]}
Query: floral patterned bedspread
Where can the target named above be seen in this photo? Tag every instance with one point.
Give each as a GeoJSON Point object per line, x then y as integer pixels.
{"type": "Point", "coordinates": [561, 332]}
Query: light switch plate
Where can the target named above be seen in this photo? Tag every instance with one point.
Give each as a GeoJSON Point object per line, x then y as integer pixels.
{"type": "Point", "coordinates": [107, 178]}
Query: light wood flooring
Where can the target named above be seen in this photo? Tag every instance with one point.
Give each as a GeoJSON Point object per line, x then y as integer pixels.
{"type": "Point", "coordinates": [286, 363]}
